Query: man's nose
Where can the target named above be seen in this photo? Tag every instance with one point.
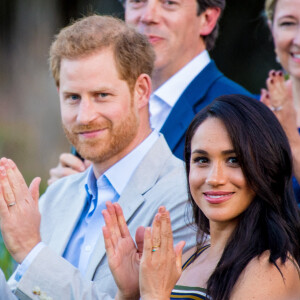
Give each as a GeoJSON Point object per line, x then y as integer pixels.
{"type": "Point", "coordinates": [87, 112]}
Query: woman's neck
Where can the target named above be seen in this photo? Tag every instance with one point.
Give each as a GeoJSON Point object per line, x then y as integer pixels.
{"type": "Point", "coordinates": [220, 232]}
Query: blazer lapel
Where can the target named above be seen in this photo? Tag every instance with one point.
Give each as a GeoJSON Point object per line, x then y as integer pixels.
{"type": "Point", "coordinates": [71, 214]}
{"type": "Point", "coordinates": [144, 177]}
{"type": "Point", "coordinates": [183, 111]}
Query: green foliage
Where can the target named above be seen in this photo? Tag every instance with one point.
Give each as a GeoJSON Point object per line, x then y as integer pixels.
{"type": "Point", "coordinates": [7, 263]}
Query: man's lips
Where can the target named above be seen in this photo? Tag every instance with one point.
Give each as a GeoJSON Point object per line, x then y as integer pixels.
{"type": "Point", "coordinates": [91, 133]}
{"type": "Point", "coordinates": [215, 197]}
{"type": "Point", "coordinates": [154, 38]}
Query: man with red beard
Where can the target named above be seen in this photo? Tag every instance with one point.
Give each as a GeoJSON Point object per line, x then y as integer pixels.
{"type": "Point", "coordinates": [185, 79]}
{"type": "Point", "coordinates": [102, 71]}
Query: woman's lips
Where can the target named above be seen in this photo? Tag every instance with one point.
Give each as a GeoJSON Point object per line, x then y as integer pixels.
{"type": "Point", "coordinates": [217, 197]}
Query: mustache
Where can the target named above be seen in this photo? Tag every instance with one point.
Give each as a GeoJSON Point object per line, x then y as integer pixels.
{"type": "Point", "coordinates": [90, 127]}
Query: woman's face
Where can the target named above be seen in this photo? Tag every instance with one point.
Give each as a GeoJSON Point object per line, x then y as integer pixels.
{"type": "Point", "coordinates": [286, 34]}
{"type": "Point", "coordinates": [216, 180]}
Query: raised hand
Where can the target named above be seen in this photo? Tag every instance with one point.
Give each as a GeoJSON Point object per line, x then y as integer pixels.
{"type": "Point", "coordinates": [279, 98]}
{"type": "Point", "coordinates": [68, 164]}
{"type": "Point", "coordinates": [160, 266]}
{"type": "Point", "coordinates": [122, 254]}
{"type": "Point", "coordinates": [19, 213]}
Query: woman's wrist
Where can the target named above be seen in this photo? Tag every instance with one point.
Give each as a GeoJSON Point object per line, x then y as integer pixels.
{"type": "Point", "coordinates": [122, 296]}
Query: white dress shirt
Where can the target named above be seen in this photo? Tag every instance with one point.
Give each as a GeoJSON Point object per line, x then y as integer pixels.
{"type": "Point", "coordinates": [164, 98]}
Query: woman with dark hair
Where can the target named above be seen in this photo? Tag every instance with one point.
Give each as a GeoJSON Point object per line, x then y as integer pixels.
{"type": "Point", "coordinates": [239, 170]}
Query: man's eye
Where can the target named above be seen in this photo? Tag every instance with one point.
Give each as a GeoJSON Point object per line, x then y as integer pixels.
{"type": "Point", "coordinates": [170, 4]}
{"type": "Point", "coordinates": [102, 95]}
{"type": "Point", "coordinates": [73, 97]}
{"type": "Point", "coordinates": [135, 3]}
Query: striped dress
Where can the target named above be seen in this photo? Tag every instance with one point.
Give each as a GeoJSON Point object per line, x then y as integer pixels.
{"type": "Point", "coordinates": [189, 292]}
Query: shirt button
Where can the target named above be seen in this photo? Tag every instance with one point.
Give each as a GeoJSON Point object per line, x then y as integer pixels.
{"type": "Point", "coordinates": [87, 248]}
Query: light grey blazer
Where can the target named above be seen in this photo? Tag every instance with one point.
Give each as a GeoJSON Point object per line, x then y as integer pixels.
{"type": "Point", "coordinates": [158, 180]}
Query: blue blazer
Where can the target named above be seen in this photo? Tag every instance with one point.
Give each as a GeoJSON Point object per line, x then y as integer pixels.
{"type": "Point", "coordinates": [207, 85]}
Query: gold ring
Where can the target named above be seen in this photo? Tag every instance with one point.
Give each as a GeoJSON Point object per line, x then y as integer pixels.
{"type": "Point", "coordinates": [11, 204]}
{"type": "Point", "coordinates": [155, 248]}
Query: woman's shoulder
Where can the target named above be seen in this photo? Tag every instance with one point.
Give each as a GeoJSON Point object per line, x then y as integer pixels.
{"type": "Point", "coordinates": [193, 251]}
{"type": "Point", "coordinates": [263, 280]}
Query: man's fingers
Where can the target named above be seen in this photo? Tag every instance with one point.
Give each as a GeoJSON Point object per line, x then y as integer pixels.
{"type": "Point", "coordinates": [107, 242]}
{"type": "Point", "coordinates": [3, 205]}
{"type": "Point", "coordinates": [121, 220]}
{"type": "Point", "coordinates": [139, 240]}
{"type": "Point", "coordinates": [34, 189]}
{"type": "Point", "coordinates": [7, 191]}
{"type": "Point", "coordinates": [115, 230]}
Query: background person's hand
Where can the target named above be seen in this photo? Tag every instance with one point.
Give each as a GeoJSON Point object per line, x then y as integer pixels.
{"type": "Point", "coordinates": [68, 164]}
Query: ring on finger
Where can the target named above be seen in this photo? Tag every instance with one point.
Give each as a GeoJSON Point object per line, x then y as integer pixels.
{"type": "Point", "coordinates": [155, 248]}
{"type": "Point", "coordinates": [11, 204]}
{"type": "Point", "coordinates": [276, 108]}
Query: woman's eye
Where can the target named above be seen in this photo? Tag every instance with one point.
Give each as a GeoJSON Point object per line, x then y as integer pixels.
{"type": "Point", "coordinates": [200, 160]}
{"type": "Point", "coordinates": [233, 161]}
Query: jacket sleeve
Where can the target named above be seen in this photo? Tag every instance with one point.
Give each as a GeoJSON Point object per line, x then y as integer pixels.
{"type": "Point", "coordinates": [54, 277]}
{"type": "Point", "coordinates": [5, 292]}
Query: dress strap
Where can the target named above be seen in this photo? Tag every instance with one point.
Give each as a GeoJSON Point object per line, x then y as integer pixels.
{"type": "Point", "coordinates": [194, 256]}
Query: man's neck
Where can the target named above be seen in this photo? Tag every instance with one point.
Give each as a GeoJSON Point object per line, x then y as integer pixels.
{"type": "Point", "coordinates": [161, 75]}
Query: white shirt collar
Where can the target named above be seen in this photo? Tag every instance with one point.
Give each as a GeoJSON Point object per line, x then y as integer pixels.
{"type": "Point", "coordinates": [119, 174]}
{"type": "Point", "coordinates": [171, 90]}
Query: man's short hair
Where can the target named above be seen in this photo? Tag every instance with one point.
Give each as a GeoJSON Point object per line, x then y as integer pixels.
{"type": "Point", "coordinates": [132, 52]}
{"type": "Point", "coordinates": [202, 6]}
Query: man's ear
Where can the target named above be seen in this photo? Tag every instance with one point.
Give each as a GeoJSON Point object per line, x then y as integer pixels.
{"type": "Point", "coordinates": [142, 90]}
{"type": "Point", "coordinates": [209, 19]}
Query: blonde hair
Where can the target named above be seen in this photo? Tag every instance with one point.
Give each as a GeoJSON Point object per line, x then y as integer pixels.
{"type": "Point", "coordinates": [270, 6]}
{"type": "Point", "coordinates": [132, 51]}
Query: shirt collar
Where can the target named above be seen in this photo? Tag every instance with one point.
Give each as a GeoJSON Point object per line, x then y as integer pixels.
{"type": "Point", "coordinates": [171, 90]}
{"type": "Point", "coordinates": [119, 174]}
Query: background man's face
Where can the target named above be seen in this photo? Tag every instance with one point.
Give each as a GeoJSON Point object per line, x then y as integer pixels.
{"type": "Point", "coordinates": [99, 115]}
{"type": "Point", "coordinates": [172, 27]}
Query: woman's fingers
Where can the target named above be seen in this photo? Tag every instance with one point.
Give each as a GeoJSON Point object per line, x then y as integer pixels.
{"type": "Point", "coordinates": [178, 254]}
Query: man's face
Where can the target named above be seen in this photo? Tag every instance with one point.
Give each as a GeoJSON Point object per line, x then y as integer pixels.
{"type": "Point", "coordinates": [99, 114]}
{"type": "Point", "coordinates": [172, 27]}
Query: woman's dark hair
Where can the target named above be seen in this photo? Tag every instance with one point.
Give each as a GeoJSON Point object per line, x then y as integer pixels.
{"type": "Point", "coordinates": [271, 222]}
